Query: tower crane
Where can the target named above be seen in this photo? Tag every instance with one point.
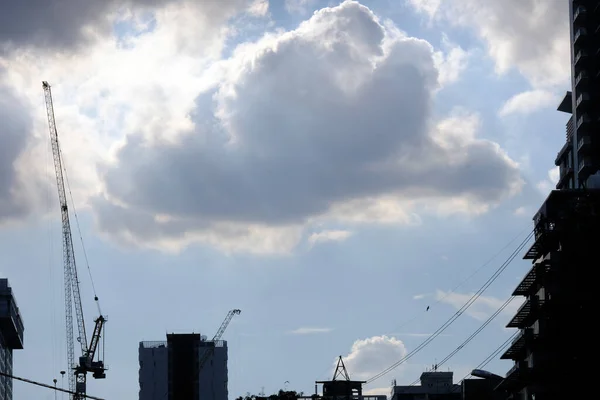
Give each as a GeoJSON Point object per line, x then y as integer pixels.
{"type": "Point", "coordinates": [206, 355]}
{"type": "Point", "coordinates": [77, 380]}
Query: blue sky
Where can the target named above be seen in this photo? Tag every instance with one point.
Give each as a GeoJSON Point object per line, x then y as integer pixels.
{"type": "Point", "coordinates": [329, 168]}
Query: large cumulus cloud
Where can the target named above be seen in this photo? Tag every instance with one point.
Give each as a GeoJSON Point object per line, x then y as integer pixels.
{"type": "Point", "coordinates": [70, 23]}
{"type": "Point", "coordinates": [329, 119]}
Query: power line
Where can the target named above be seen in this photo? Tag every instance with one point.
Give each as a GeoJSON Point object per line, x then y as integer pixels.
{"type": "Point", "coordinates": [46, 386]}
{"type": "Point", "coordinates": [492, 356]}
{"type": "Point", "coordinates": [449, 322]}
{"type": "Point", "coordinates": [472, 336]}
{"type": "Point", "coordinates": [460, 284]}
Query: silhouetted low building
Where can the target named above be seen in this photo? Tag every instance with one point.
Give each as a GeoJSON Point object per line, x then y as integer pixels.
{"type": "Point", "coordinates": [480, 389]}
{"type": "Point", "coordinates": [435, 385]}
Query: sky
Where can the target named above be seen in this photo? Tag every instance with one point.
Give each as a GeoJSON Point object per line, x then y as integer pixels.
{"type": "Point", "coordinates": [347, 174]}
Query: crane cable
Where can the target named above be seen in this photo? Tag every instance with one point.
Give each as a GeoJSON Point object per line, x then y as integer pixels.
{"type": "Point", "coordinates": [9, 376]}
{"type": "Point", "coordinates": [454, 317]}
{"type": "Point", "coordinates": [473, 335]}
{"type": "Point", "coordinates": [79, 231]}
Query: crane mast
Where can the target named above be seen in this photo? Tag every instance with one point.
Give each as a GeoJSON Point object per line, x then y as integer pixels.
{"type": "Point", "coordinates": [206, 355]}
{"type": "Point", "coordinates": [77, 380]}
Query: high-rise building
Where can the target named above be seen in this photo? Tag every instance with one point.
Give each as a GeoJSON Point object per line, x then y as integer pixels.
{"type": "Point", "coordinates": [171, 369]}
{"type": "Point", "coordinates": [11, 336]}
{"type": "Point", "coordinates": [579, 159]}
{"type": "Point", "coordinates": [555, 346]}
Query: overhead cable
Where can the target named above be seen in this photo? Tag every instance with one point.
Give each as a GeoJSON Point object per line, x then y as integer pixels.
{"type": "Point", "coordinates": [9, 376]}
{"type": "Point", "coordinates": [492, 356]}
{"type": "Point", "coordinates": [472, 336]}
{"type": "Point", "coordinates": [460, 311]}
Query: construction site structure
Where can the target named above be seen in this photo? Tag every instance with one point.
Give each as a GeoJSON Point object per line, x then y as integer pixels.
{"type": "Point", "coordinates": [186, 366]}
{"type": "Point", "coordinates": [86, 362]}
{"type": "Point", "coordinates": [341, 387]}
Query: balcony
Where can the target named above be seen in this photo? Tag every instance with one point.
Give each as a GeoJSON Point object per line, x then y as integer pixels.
{"type": "Point", "coordinates": [583, 121]}
{"type": "Point", "coordinates": [582, 78]}
{"type": "Point", "coordinates": [585, 165]}
{"type": "Point", "coordinates": [516, 378]}
{"type": "Point", "coordinates": [582, 100]}
{"type": "Point", "coordinates": [580, 58]}
{"type": "Point", "coordinates": [584, 144]}
{"type": "Point", "coordinates": [579, 14]}
{"type": "Point", "coordinates": [527, 313]}
{"type": "Point", "coordinates": [564, 179]}
{"type": "Point", "coordinates": [545, 238]}
{"type": "Point", "coordinates": [580, 35]}
{"type": "Point", "coordinates": [518, 347]}
{"type": "Point", "coordinates": [533, 276]}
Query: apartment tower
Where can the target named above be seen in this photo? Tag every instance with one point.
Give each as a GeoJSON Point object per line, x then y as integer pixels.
{"type": "Point", "coordinates": [171, 369]}
{"type": "Point", "coordinates": [553, 353]}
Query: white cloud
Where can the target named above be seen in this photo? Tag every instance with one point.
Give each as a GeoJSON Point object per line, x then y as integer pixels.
{"type": "Point", "coordinates": [329, 236]}
{"type": "Point", "coordinates": [309, 331]}
{"type": "Point", "coordinates": [549, 184]}
{"type": "Point", "coordinates": [481, 308]}
{"type": "Point", "coordinates": [429, 7]}
{"type": "Point", "coordinates": [521, 211]}
{"type": "Point", "coordinates": [529, 35]}
{"type": "Point", "coordinates": [451, 62]}
{"type": "Point", "coordinates": [528, 102]}
{"type": "Point", "coordinates": [259, 8]}
{"type": "Point", "coordinates": [382, 391]}
{"type": "Point", "coordinates": [370, 356]}
{"type": "Point", "coordinates": [421, 296]}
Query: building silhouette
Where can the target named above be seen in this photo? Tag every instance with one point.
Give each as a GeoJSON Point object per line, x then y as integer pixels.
{"type": "Point", "coordinates": [170, 370]}
{"type": "Point", "coordinates": [11, 336]}
{"type": "Point", "coordinates": [435, 385]}
{"type": "Point", "coordinates": [554, 347]}
{"type": "Point", "coordinates": [579, 159]}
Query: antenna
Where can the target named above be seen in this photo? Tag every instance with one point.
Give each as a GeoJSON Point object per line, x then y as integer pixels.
{"type": "Point", "coordinates": [341, 371]}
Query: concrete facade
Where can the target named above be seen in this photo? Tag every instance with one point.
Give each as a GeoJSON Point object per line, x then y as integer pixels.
{"type": "Point", "coordinates": [153, 378]}
{"type": "Point", "coordinates": [213, 380]}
